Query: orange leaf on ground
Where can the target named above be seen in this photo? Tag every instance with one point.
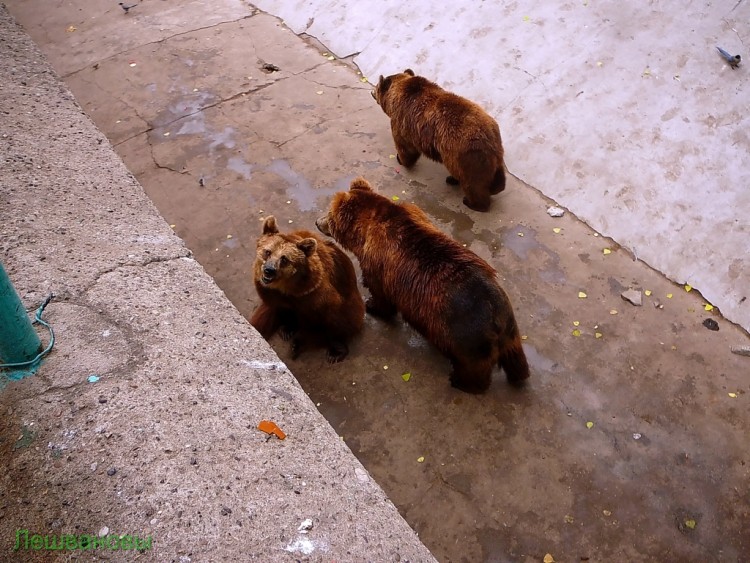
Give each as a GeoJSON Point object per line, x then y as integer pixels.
{"type": "Point", "coordinates": [271, 428]}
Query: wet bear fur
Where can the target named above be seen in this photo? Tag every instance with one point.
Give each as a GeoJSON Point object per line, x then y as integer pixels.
{"type": "Point", "coordinates": [445, 291]}
{"type": "Point", "coordinates": [308, 291]}
{"type": "Point", "coordinates": [427, 120]}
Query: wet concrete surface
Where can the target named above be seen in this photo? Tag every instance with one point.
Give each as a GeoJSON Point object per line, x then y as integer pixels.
{"type": "Point", "coordinates": [625, 445]}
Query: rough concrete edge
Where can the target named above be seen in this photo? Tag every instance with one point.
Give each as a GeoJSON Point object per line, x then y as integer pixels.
{"type": "Point", "coordinates": [387, 508]}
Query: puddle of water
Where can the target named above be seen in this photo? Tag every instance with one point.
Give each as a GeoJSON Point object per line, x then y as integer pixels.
{"type": "Point", "coordinates": [194, 125]}
{"type": "Point", "coordinates": [239, 165]}
{"type": "Point", "coordinates": [187, 103]}
{"type": "Point", "coordinates": [300, 190]}
{"type": "Point", "coordinates": [461, 224]}
{"type": "Point", "coordinates": [222, 139]}
{"type": "Point", "coordinates": [522, 246]}
{"type": "Point", "coordinates": [539, 362]}
{"type": "Point", "coordinates": [230, 243]}
{"type": "Point", "coordinates": [417, 341]}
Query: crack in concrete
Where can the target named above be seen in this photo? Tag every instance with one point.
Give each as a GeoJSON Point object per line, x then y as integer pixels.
{"type": "Point", "coordinates": [278, 145]}
{"type": "Point", "coordinates": [162, 40]}
{"type": "Point", "coordinates": [184, 253]}
{"type": "Point", "coordinates": [156, 162]}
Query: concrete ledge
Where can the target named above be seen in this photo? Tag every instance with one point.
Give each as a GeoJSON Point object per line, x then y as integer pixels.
{"type": "Point", "coordinates": [164, 444]}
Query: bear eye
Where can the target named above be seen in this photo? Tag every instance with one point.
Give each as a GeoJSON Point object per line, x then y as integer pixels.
{"type": "Point", "coordinates": [284, 261]}
{"type": "Point", "coordinates": [266, 254]}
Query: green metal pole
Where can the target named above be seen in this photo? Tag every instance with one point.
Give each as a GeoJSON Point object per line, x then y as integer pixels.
{"type": "Point", "coordinates": [19, 341]}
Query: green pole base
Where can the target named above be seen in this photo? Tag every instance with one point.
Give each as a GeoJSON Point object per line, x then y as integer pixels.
{"type": "Point", "coordinates": [19, 341]}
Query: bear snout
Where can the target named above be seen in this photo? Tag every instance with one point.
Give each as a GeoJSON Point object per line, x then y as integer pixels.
{"type": "Point", "coordinates": [322, 225]}
{"type": "Point", "coordinates": [374, 95]}
{"type": "Point", "coordinates": [269, 273]}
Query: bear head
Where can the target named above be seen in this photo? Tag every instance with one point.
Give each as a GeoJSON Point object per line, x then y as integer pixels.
{"type": "Point", "coordinates": [381, 91]}
{"type": "Point", "coordinates": [350, 214]}
{"type": "Point", "coordinates": [281, 258]}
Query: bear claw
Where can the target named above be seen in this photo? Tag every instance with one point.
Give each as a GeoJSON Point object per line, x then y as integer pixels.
{"type": "Point", "coordinates": [336, 353]}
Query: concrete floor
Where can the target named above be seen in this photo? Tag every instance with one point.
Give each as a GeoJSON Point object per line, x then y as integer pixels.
{"type": "Point", "coordinates": [164, 444]}
{"type": "Point", "coordinates": [660, 474]}
{"type": "Point", "coordinates": [623, 113]}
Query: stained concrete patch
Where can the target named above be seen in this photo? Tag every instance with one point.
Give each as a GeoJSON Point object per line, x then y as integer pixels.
{"type": "Point", "coordinates": [87, 343]}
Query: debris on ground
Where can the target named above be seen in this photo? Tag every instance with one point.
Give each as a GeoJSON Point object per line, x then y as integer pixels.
{"type": "Point", "coordinates": [271, 429]}
{"type": "Point", "coordinates": [711, 324]}
{"type": "Point", "coordinates": [555, 211]}
{"type": "Point", "coordinates": [305, 526]}
{"type": "Point", "coordinates": [635, 296]}
{"type": "Point", "coordinates": [268, 67]}
{"type": "Point", "coordinates": [740, 350]}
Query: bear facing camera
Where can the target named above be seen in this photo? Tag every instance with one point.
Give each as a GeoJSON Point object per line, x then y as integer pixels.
{"type": "Point", "coordinates": [445, 291]}
{"type": "Point", "coordinates": [308, 291]}
{"type": "Point", "coordinates": [427, 120]}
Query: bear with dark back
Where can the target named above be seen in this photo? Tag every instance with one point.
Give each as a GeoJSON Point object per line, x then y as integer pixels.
{"type": "Point", "coordinates": [445, 291]}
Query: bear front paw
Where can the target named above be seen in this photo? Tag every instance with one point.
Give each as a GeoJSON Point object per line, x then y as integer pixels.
{"type": "Point", "coordinates": [287, 333]}
{"type": "Point", "coordinates": [337, 351]}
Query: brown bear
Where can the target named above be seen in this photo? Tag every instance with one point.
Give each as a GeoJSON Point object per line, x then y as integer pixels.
{"type": "Point", "coordinates": [308, 289]}
{"type": "Point", "coordinates": [425, 119]}
{"type": "Point", "coordinates": [445, 291]}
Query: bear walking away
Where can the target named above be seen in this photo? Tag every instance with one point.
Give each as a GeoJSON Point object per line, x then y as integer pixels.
{"type": "Point", "coordinates": [308, 289]}
{"type": "Point", "coordinates": [425, 119]}
{"type": "Point", "coordinates": [445, 291]}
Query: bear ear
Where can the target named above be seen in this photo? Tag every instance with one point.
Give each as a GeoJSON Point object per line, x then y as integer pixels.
{"type": "Point", "coordinates": [269, 226]}
{"type": "Point", "coordinates": [409, 71]}
{"type": "Point", "coordinates": [308, 246]}
{"type": "Point", "coordinates": [360, 184]}
{"type": "Point", "coordinates": [384, 84]}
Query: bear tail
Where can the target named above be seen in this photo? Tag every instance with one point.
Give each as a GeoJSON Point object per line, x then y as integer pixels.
{"type": "Point", "coordinates": [512, 359]}
{"type": "Point", "coordinates": [498, 181]}
{"type": "Point", "coordinates": [265, 320]}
